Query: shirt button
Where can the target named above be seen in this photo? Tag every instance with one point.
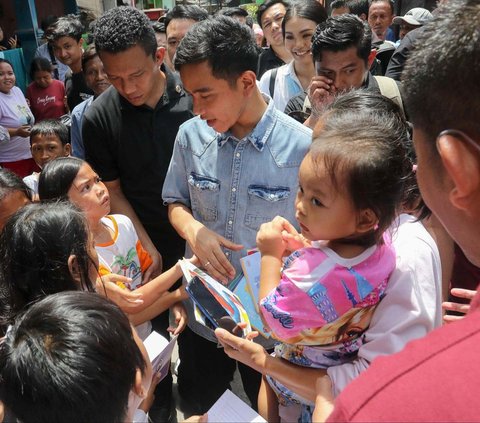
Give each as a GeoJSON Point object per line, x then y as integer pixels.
{"type": "Point", "coordinates": [234, 189]}
{"type": "Point", "coordinates": [272, 196]}
{"type": "Point", "coordinates": [230, 222]}
{"type": "Point", "coordinates": [238, 154]}
{"type": "Point", "coordinates": [227, 253]}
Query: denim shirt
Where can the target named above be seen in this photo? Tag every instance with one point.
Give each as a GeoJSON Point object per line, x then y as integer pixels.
{"type": "Point", "coordinates": [233, 186]}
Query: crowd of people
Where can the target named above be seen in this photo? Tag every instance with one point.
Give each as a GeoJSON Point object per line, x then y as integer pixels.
{"type": "Point", "coordinates": [344, 156]}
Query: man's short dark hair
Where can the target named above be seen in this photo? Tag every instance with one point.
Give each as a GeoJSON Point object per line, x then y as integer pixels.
{"type": "Point", "coordinates": [440, 79]}
{"type": "Point", "coordinates": [51, 127]}
{"type": "Point", "coordinates": [358, 7]}
{"type": "Point", "coordinates": [66, 26]}
{"type": "Point", "coordinates": [338, 4]}
{"type": "Point", "coordinates": [340, 33]}
{"type": "Point", "coordinates": [267, 5]}
{"type": "Point", "coordinates": [389, 2]}
{"type": "Point", "coordinates": [233, 11]}
{"type": "Point", "coordinates": [122, 28]}
{"type": "Point", "coordinates": [159, 27]}
{"type": "Point", "coordinates": [224, 43]}
{"type": "Point", "coordinates": [189, 11]}
{"type": "Point", "coordinates": [71, 357]}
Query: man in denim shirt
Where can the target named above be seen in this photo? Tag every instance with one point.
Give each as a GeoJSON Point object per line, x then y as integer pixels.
{"type": "Point", "coordinates": [233, 168]}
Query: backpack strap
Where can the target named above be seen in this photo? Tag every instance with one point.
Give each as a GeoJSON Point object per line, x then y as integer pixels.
{"type": "Point", "coordinates": [271, 85]}
{"type": "Point", "coordinates": [389, 88]}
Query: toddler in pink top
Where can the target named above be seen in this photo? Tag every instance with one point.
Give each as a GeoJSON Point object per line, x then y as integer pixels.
{"type": "Point", "coordinates": [320, 301]}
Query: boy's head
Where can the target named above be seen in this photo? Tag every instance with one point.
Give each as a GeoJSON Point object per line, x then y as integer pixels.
{"type": "Point", "coordinates": [65, 36]}
{"type": "Point", "coordinates": [446, 125]}
{"type": "Point", "coordinates": [49, 139]}
{"type": "Point", "coordinates": [217, 60]}
{"type": "Point", "coordinates": [72, 357]}
{"type": "Point", "coordinates": [341, 50]}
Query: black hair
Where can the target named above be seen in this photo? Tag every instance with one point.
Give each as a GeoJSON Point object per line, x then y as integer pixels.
{"type": "Point", "coordinates": [358, 7]}
{"type": "Point", "coordinates": [189, 11]}
{"type": "Point", "coordinates": [71, 357]}
{"type": "Point", "coordinates": [40, 64]}
{"type": "Point", "coordinates": [47, 22]}
{"type": "Point", "coordinates": [57, 177]}
{"type": "Point", "coordinates": [249, 21]}
{"type": "Point", "coordinates": [51, 127]}
{"type": "Point", "coordinates": [448, 49]}
{"type": "Point", "coordinates": [339, 33]}
{"type": "Point", "coordinates": [306, 9]}
{"type": "Point", "coordinates": [35, 246]}
{"type": "Point", "coordinates": [159, 27]}
{"type": "Point", "coordinates": [122, 28]}
{"type": "Point", "coordinates": [363, 138]}
{"type": "Point", "coordinates": [389, 2]}
{"type": "Point", "coordinates": [7, 62]}
{"type": "Point", "coordinates": [338, 4]}
{"type": "Point", "coordinates": [224, 43]}
{"type": "Point", "coordinates": [66, 26]}
{"type": "Point", "coordinates": [11, 182]}
{"type": "Point", "coordinates": [233, 11]}
{"type": "Point", "coordinates": [267, 5]}
{"type": "Point", "coordinates": [89, 54]}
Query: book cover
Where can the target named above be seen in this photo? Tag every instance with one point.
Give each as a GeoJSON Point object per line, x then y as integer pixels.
{"type": "Point", "coordinates": [159, 351]}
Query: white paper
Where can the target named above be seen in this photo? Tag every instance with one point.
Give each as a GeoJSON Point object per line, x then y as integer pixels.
{"type": "Point", "coordinates": [231, 409]}
{"type": "Point", "coordinates": [159, 351]}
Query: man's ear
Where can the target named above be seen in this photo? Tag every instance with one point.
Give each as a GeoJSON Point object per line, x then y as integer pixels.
{"type": "Point", "coordinates": [73, 268]}
{"type": "Point", "coordinates": [160, 55]}
{"type": "Point", "coordinates": [367, 220]}
{"type": "Point", "coordinates": [371, 57]}
{"type": "Point", "coordinates": [462, 164]}
{"type": "Point", "coordinates": [67, 149]}
{"type": "Point", "coordinates": [247, 82]}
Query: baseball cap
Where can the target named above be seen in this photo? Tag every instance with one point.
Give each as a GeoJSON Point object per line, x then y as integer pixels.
{"type": "Point", "coordinates": [417, 16]}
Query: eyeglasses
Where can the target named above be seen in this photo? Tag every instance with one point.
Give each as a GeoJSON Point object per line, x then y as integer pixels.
{"type": "Point", "coordinates": [460, 134]}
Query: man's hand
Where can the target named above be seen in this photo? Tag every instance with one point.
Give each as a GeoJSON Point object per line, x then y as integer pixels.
{"type": "Point", "coordinates": [321, 93]}
{"type": "Point", "coordinates": [207, 246]}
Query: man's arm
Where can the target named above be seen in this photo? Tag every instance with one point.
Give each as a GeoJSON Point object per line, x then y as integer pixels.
{"type": "Point", "coordinates": [206, 244]}
{"type": "Point", "coordinates": [120, 205]}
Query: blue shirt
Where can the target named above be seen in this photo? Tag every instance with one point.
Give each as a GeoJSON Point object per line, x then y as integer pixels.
{"type": "Point", "coordinates": [232, 186]}
{"type": "Point", "coordinates": [78, 149]}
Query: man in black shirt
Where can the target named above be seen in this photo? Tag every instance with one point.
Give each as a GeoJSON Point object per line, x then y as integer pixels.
{"type": "Point", "coordinates": [129, 132]}
{"type": "Point", "coordinates": [270, 16]}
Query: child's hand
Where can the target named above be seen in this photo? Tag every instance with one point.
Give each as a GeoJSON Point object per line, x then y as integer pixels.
{"type": "Point", "coordinates": [180, 316]}
{"type": "Point", "coordinates": [270, 240]}
{"type": "Point", "coordinates": [127, 300]}
{"type": "Point", "coordinates": [147, 403]}
{"type": "Point", "coordinates": [294, 241]}
{"type": "Point", "coordinates": [324, 399]}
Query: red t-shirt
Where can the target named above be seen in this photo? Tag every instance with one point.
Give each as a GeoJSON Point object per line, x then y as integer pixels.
{"type": "Point", "coordinates": [47, 103]}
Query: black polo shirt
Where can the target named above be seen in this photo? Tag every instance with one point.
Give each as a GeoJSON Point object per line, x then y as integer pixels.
{"type": "Point", "coordinates": [268, 60]}
{"type": "Point", "coordinates": [135, 144]}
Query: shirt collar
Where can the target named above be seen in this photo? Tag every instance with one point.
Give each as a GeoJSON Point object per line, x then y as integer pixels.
{"type": "Point", "coordinates": [259, 135]}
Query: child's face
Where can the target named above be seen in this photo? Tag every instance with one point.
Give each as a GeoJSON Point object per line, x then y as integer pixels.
{"type": "Point", "coordinates": [45, 148]}
{"type": "Point", "coordinates": [68, 50]}
{"type": "Point", "coordinates": [90, 194]}
{"type": "Point", "coordinates": [43, 78]}
{"type": "Point", "coordinates": [323, 212]}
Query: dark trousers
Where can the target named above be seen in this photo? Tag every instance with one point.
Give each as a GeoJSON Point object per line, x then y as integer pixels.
{"type": "Point", "coordinates": [205, 373]}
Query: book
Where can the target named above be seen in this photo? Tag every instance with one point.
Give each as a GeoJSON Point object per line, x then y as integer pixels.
{"type": "Point", "coordinates": [231, 409]}
{"type": "Point", "coordinates": [159, 351]}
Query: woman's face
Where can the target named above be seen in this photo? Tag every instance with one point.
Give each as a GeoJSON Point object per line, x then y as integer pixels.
{"type": "Point", "coordinates": [7, 78]}
{"type": "Point", "coordinates": [10, 204]}
{"type": "Point", "coordinates": [298, 38]}
{"type": "Point", "coordinates": [43, 78]}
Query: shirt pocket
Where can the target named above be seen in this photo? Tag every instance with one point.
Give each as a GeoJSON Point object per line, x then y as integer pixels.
{"type": "Point", "coordinates": [205, 191]}
{"type": "Point", "coordinates": [264, 203]}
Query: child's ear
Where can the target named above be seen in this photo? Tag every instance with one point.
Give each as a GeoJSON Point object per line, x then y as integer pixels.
{"type": "Point", "coordinates": [138, 385]}
{"type": "Point", "coordinates": [367, 220]}
{"type": "Point", "coordinates": [67, 149]}
{"type": "Point", "coordinates": [74, 268]}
